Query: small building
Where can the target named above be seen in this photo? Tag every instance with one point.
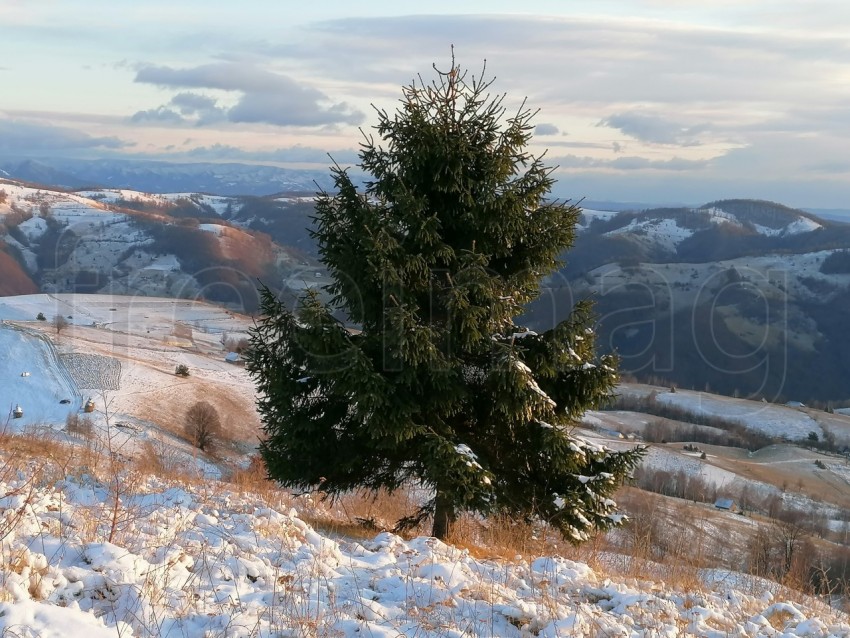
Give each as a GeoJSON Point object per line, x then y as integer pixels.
{"type": "Point", "coordinates": [88, 406]}
{"type": "Point", "coordinates": [18, 412]}
{"type": "Point", "coordinates": [614, 434]}
{"type": "Point", "coordinates": [726, 504]}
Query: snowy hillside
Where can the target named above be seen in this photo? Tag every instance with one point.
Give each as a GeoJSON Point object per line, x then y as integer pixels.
{"type": "Point", "coordinates": [130, 531]}
{"type": "Point", "coordinates": [32, 377]}
{"type": "Point", "coordinates": [665, 229]}
{"type": "Point", "coordinates": [129, 242]}
{"type": "Point", "coordinates": [121, 352]}
{"type": "Point", "coordinates": [740, 296]}
{"type": "Point", "coordinates": [198, 560]}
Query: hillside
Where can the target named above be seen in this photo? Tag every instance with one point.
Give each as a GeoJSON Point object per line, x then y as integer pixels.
{"type": "Point", "coordinates": [126, 242]}
{"type": "Point", "coordinates": [739, 296]}
{"type": "Point", "coordinates": [194, 560]}
{"type": "Point", "coordinates": [122, 353]}
{"type": "Point", "coordinates": [126, 527]}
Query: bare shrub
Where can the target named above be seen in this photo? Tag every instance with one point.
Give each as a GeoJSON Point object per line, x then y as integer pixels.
{"type": "Point", "coordinates": [79, 427]}
{"type": "Point", "coordinates": [676, 484]}
{"type": "Point", "coordinates": [235, 344]}
{"type": "Point", "coordinates": [182, 331]}
{"type": "Point", "coordinates": [253, 477]}
{"type": "Point", "coordinates": [203, 425]}
{"type": "Point", "coordinates": [60, 323]}
{"type": "Point", "coordinates": [17, 217]}
{"type": "Point", "coordinates": [158, 459]}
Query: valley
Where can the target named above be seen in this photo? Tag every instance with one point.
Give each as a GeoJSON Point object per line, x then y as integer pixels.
{"type": "Point", "coordinates": [145, 283]}
{"type": "Point", "coordinates": [738, 296]}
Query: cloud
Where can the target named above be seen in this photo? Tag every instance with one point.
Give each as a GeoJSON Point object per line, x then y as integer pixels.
{"type": "Point", "coordinates": [577, 144]}
{"type": "Point", "coordinates": [159, 115]}
{"type": "Point", "coordinates": [655, 129]}
{"type": "Point", "coordinates": [190, 103]}
{"type": "Point", "coordinates": [835, 167]}
{"type": "Point", "coordinates": [184, 109]}
{"type": "Point", "coordinates": [21, 137]}
{"type": "Point", "coordinates": [630, 163]}
{"type": "Point", "coordinates": [265, 97]}
{"type": "Point", "coordinates": [546, 129]}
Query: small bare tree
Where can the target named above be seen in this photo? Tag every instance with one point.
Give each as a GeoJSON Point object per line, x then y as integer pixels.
{"type": "Point", "coordinates": [78, 426]}
{"type": "Point", "coordinates": [203, 425]}
{"type": "Point", "coordinates": [60, 323]}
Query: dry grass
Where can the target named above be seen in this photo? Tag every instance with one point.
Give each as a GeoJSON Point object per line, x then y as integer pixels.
{"type": "Point", "coordinates": [667, 541]}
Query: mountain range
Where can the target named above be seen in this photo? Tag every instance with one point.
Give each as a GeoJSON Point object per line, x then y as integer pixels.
{"type": "Point", "coordinates": [164, 177]}
{"type": "Point", "coordinates": [738, 296]}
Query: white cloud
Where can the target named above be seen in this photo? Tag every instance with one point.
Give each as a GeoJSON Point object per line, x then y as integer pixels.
{"type": "Point", "coordinates": [265, 97]}
{"type": "Point", "coordinates": [26, 138]}
{"type": "Point", "coordinates": [654, 129]}
{"type": "Point", "coordinates": [546, 128]}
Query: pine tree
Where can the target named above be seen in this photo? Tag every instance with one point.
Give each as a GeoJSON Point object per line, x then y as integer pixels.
{"type": "Point", "coordinates": [432, 262]}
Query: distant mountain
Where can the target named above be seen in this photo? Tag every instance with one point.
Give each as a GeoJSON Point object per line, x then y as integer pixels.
{"type": "Point", "coordinates": [740, 296]}
{"type": "Point", "coordinates": [128, 242]}
{"type": "Point", "coordinates": [166, 177]}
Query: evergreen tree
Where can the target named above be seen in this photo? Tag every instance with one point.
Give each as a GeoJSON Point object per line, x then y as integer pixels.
{"type": "Point", "coordinates": [432, 263]}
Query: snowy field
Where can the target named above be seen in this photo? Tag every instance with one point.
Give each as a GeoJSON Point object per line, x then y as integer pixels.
{"type": "Point", "coordinates": [140, 315]}
{"type": "Point", "coordinates": [200, 561]}
{"type": "Point", "coordinates": [31, 377]}
{"type": "Point", "coordinates": [773, 420]}
{"type": "Point", "coordinates": [122, 352]}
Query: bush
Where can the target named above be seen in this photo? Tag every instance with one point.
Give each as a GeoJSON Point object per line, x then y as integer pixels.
{"type": "Point", "coordinates": [78, 426]}
{"type": "Point", "coordinates": [203, 425]}
{"type": "Point", "coordinates": [40, 316]}
{"type": "Point", "coordinates": [182, 370]}
{"type": "Point", "coordinates": [60, 323]}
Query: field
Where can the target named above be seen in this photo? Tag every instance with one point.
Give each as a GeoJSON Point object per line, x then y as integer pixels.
{"type": "Point", "coordinates": [122, 353]}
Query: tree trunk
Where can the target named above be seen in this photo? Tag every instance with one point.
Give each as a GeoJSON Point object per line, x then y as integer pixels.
{"type": "Point", "coordinates": [444, 516]}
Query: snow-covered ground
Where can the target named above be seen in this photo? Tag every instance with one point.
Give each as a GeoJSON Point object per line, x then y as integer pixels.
{"type": "Point", "coordinates": [773, 420]}
{"type": "Point", "coordinates": [122, 352]}
{"type": "Point", "coordinates": [194, 560]}
{"type": "Point", "coordinates": [201, 559]}
{"type": "Point", "coordinates": [665, 233]}
{"type": "Point", "coordinates": [141, 315]}
{"type": "Point", "coordinates": [589, 214]}
{"type": "Point", "coordinates": [31, 377]}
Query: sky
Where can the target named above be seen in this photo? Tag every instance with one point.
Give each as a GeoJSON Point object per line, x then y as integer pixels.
{"type": "Point", "coordinates": [662, 101]}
